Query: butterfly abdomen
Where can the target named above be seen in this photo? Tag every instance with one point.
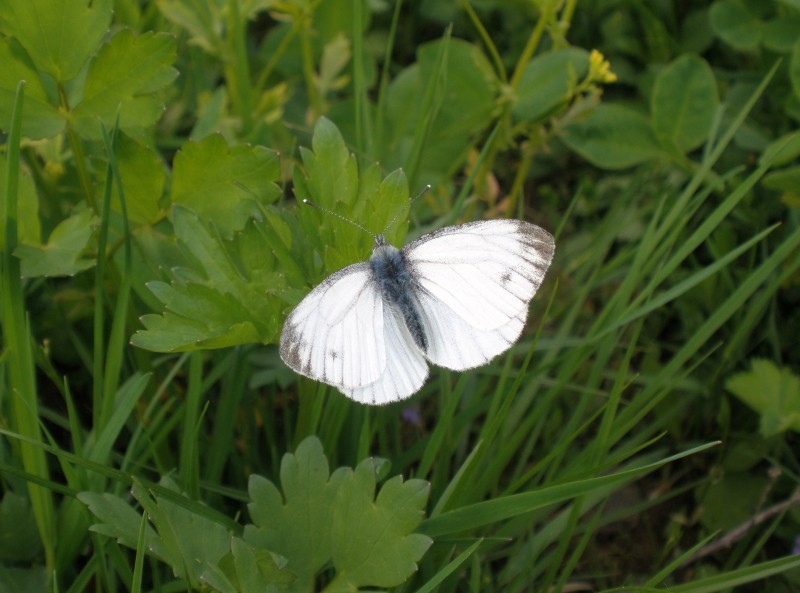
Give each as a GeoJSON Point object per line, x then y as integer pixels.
{"type": "Point", "coordinates": [397, 284]}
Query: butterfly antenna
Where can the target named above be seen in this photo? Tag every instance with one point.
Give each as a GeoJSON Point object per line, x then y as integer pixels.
{"type": "Point", "coordinates": [396, 216]}
{"type": "Point", "coordinates": [339, 216]}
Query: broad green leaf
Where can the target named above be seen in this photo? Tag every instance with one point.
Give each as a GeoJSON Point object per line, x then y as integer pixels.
{"type": "Point", "coordinates": [143, 175]}
{"type": "Point", "coordinates": [217, 299]}
{"type": "Point", "coordinates": [547, 81]}
{"type": "Point", "coordinates": [331, 179]}
{"type": "Point", "coordinates": [19, 537]}
{"type": "Point", "coordinates": [118, 520]}
{"type": "Point", "coordinates": [614, 137]}
{"type": "Point", "coordinates": [247, 569]}
{"type": "Point", "coordinates": [736, 25]}
{"type": "Point", "coordinates": [784, 180]}
{"type": "Point", "coordinates": [39, 118]}
{"type": "Point", "coordinates": [62, 255]}
{"type": "Point", "coordinates": [227, 185]}
{"type": "Point", "coordinates": [331, 171]}
{"type": "Point", "coordinates": [123, 79]}
{"type": "Point", "coordinates": [373, 540]}
{"type": "Point", "coordinates": [781, 34]}
{"type": "Point", "coordinates": [59, 35]}
{"type": "Point", "coordinates": [730, 501]}
{"type": "Point", "coordinates": [205, 26]}
{"type": "Point", "coordinates": [28, 228]}
{"type": "Point", "coordinates": [17, 580]}
{"type": "Point", "coordinates": [297, 523]}
{"type": "Point", "coordinates": [466, 88]}
{"type": "Point", "coordinates": [771, 391]}
{"type": "Point", "coordinates": [190, 541]}
{"type": "Point", "coordinates": [683, 102]}
{"type": "Point", "coordinates": [781, 151]}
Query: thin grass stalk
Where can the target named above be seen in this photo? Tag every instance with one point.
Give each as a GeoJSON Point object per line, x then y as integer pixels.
{"type": "Point", "coordinates": [24, 405]}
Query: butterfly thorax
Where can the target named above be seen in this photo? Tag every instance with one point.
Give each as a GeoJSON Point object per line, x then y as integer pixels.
{"type": "Point", "coordinates": [391, 271]}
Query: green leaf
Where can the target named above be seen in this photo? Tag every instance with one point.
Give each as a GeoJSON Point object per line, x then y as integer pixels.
{"type": "Point", "coordinates": [61, 256]}
{"type": "Point", "coordinates": [794, 68]}
{"type": "Point", "coordinates": [784, 180]}
{"type": "Point", "coordinates": [297, 524]}
{"type": "Point", "coordinates": [466, 87]}
{"type": "Point", "coordinates": [28, 228]}
{"type": "Point", "coordinates": [59, 35]}
{"type": "Point", "coordinates": [217, 299]}
{"type": "Point", "coordinates": [614, 137]}
{"type": "Point", "coordinates": [118, 520]}
{"type": "Point", "coordinates": [39, 118]}
{"type": "Point", "coordinates": [331, 172]}
{"type": "Point", "coordinates": [19, 537]}
{"type": "Point", "coordinates": [736, 25]}
{"type": "Point", "coordinates": [143, 175]}
{"type": "Point", "coordinates": [123, 79]}
{"type": "Point", "coordinates": [683, 102]}
{"type": "Point", "coordinates": [780, 34]}
{"type": "Point", "coordinates": [771, 391]}
{"type": "Point", "coordinates": [227, 185]}
{"type": "Point", "coordinates": [547, 81]}
{"type": "Point", "coordinates": [190, 541]}
{"type": "Point", "coordinates": [323, 516]}
{"type": "Point", "coordinates": [373, 540]}
{"type": "Point", "coordinates": [730, 501]}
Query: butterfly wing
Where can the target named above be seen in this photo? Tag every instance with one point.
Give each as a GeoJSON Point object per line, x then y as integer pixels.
{"type": "Point", "coordinates": [342, 334]}
{"type": "Point", "coordinates": [474, 283]}
{"type": "Point", "coordinates": [406, 368]}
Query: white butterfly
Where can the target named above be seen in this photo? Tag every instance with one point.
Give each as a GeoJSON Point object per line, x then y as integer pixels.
{"type": "Point", "coordinates": [456, 297]}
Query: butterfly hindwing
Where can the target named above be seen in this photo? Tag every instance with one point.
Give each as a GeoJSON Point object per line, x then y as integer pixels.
{"type": "Point", "coordinates": [406, 368]}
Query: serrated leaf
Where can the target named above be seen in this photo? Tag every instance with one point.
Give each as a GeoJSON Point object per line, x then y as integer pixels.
{"type": "Point", "coordinates": [118, 520]}
{"type": "Point", "coordinates": [123, 79]}
{"type": "Point", "coordinates": [257, 569]}
{"type": "Point", "coordinates": [546, 82]}
{"type": "Point", "coordinates": [614, 137]}
{"type": "Point", "coordinates": [59, 35]}
{"type": "Point", "coordinates": [683, 102]}
{"type": "Point", "coordinates": [39, 118]}
{"type": "Point", "coordinates": [62, 254]}
{"type": "Point", "coordinates": [28, 228]}
{"type": "Point", "coordinates": [331, 179]}
{"type": "Point", "coordinates": [771, 391]}
{"type": "Point", "coordinates": [297, 524]}
{"type": "Point", "coordinates": [228, 185]}
{"type": "Point", "coordinates": [214, 301]}
{"type": "Point", "coordinates": [374, 543]}
{"type": "Point", "coordinates": [331, 170]}
{"type": "Point", "coordinates": [190, 541]}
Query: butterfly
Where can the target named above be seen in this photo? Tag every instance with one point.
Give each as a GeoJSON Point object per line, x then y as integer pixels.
{"type": "Point", "coordinates": [456, 297]}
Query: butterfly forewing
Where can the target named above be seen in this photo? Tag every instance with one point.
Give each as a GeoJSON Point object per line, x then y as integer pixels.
{"type": "Point", "coordinates": [336, 333]}
{"type": "Point", "coordinates": [474, 284]}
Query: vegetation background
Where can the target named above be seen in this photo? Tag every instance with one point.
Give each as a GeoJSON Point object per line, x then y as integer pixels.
{"type": "Point", "coordinates": [643, 434]}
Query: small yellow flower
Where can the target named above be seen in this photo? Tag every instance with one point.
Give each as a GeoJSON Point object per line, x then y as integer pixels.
{"type": "Point", "coordinates": [599, 68]}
